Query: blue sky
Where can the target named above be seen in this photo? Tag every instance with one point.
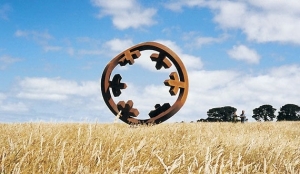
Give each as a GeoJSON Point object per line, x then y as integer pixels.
{"type": "Point", "coordinates": [237, 53]}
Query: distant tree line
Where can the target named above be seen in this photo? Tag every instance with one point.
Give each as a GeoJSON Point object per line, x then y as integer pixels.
{"type": "Point", "coordinates": [288, 112]}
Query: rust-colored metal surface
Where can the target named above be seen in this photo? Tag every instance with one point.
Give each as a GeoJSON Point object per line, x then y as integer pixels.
{"type": "Point", "coordinates": [163, 57]}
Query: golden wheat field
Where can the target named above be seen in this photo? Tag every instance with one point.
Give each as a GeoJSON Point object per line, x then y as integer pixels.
{"type": "Point", "coordinates": [165, 148]}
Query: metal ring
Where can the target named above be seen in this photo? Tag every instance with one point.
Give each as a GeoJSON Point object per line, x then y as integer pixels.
{"type": "Point", "coordinates": [164, 58]}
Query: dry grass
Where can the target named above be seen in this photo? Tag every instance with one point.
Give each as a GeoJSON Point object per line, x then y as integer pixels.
{"type": "Point", "coordinates": [165, 148]}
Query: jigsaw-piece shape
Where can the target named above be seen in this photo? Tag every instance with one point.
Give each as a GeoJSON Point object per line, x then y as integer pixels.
{"type": "Point", "coordinates": [159, 109]}
{"type": "Point", "coordinates": [161, 61]}
{"type": "Point", "coordinates": [129, 57]}
{"type": "Point", "coordinates": [116, 85]}
{"type": "Point", "coordinates": [127, 109]}
{"type": "Point", "coordinates": [175, 83]}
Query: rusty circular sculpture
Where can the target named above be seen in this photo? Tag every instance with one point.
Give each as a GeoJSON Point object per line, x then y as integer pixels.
{"type": "Point", "coordinates": [164, 58]}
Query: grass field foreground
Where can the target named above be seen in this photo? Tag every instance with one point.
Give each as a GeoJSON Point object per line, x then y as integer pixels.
{"type": "Point", "coordinates": [165, 148]}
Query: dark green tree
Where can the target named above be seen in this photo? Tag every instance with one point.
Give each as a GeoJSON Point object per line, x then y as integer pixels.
{"type": "Point", "coordinates": [227, 113]}
{"type": "Point", "coordinates": [221, 113]}
{"type": "Point", "coordinates": [289, 112]}
{"type": "Point", "coordinates": [214, 114]}
{"type": "Point", "coordinates": [264, 113]}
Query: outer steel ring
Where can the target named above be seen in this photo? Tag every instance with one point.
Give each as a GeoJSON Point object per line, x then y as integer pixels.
{"type": "Point", "coordinates": [176, 61]}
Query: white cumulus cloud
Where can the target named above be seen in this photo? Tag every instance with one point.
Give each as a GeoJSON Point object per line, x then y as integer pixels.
{"type": "Point", "coordinates": [14, 107]}
{"type": "Point", "coordinates": [261, 21]}
{"type": "Point", "coordinates": [118, 45]}
{"type": "Point", "coordinates": [55, 89]}
{"type": "Point", "coordinates": [8, 106]}
{"type": "Point", "coordinates": [126, 14]}
{"type": "Point", "coordinates": [243, 53]}
{"type": "Point", "coordinates": [2, 97]}
{"type": "Point", "coordinates": [6, 61]}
